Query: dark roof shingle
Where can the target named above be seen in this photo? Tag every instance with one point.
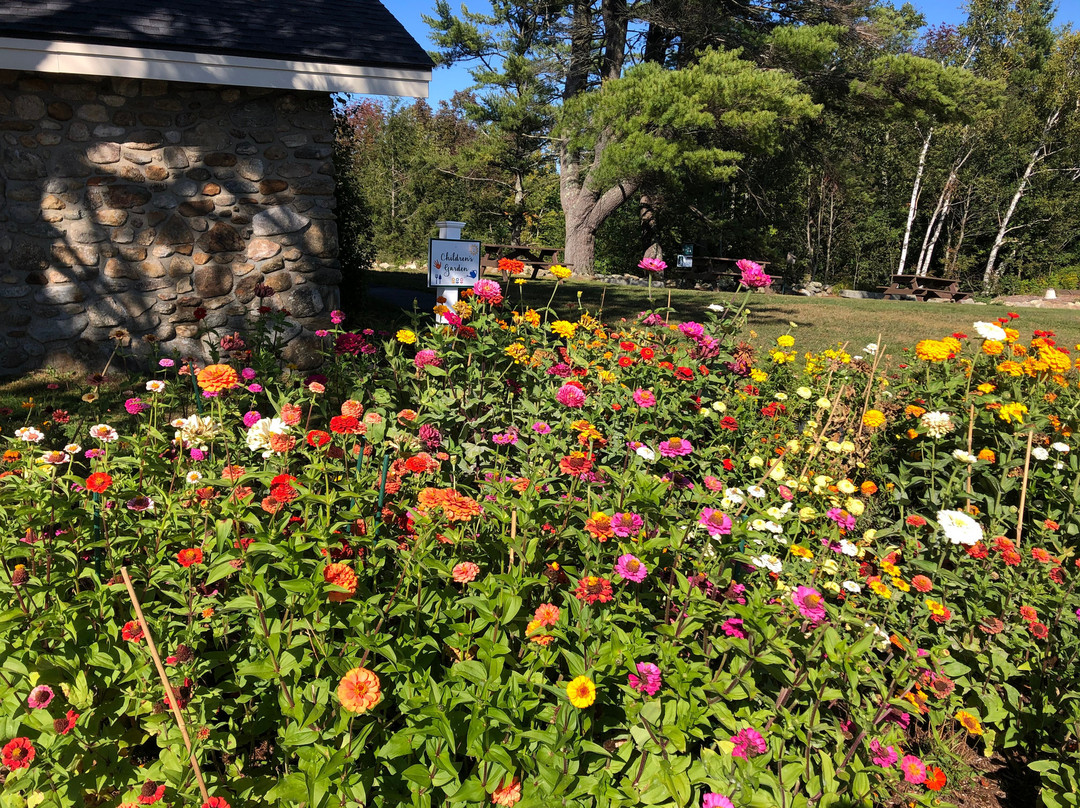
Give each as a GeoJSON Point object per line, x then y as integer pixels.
{"type": "Point", "coordinates": [355, 32]}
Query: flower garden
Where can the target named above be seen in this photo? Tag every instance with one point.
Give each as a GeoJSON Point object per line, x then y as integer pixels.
{"type": "Point", "coordinates": [513, 558]}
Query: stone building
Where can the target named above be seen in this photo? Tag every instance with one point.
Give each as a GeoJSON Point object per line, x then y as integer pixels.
{"type": "Point", "coordinates": [157, 159]}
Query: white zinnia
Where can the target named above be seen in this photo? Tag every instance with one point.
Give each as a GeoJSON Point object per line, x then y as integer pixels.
{"type": "Point", "coordinates": [756, 491]}
{"type": "Point", "coordinates": [1039, 453]}
{"type": "Point", "coordinates": [104, 433]}
{"type": "Point", "coordinates": [155, 386]}
{"type": "Point", "coordinates": [967, 458]}
{"type": "Point", "coordinates": [645, 453]}
{"type": "Point", "coordinates": [871, 349]}
{"type": "Point", "coordinates": [1059, 447]}
{"type": "Point", "coordinates": [852, 587]}
{"type": "Point", "coordinates": [193, 477]}
{"type": "Point", "coordinates": [29, 434]}
{"type": "Point", "coordinates": [937, 424]}
{"type": "Point", "coordinates": [769, 562]}
{"type": "Point", "coordinates": [991, 331]}
{"type": "Point", "coordinates": [258, 437]}
{"type": "Point", "coordinates": [959, 528]}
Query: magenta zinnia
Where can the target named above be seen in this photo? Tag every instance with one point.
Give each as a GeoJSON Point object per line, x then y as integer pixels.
{"type": "Point", "coordinates": [675, 447]}
{"type": "Point", "coordinates": [753, 276]}
{"type": "Point", "coordinates": [748, 743]}
{"type": "Point", "coordinates": [625, 525]}
{"type": "Point", "coordinates": [570, 395]}
{"type": "Point", "coordinates": [647, 679]}
{"type": "Point", "coordinates": [716, 522]}
{"type": "Point", "coordinates": [488, 291]}
{"type": "Point", "coordinates": [644, 398]}
{"type": "Point", "coordinates": [630, 568]}
{"type": "Point", "coordinates": [810, 603]}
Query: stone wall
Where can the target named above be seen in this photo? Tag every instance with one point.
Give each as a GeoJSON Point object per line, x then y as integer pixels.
{"type": "Point", "coordinates": [130, 203]}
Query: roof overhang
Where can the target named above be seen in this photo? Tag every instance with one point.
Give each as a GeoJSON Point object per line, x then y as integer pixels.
{"type": "Point", "coordinates": [51, 56]}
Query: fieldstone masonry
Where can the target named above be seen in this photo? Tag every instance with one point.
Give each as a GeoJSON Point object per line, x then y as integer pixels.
{"type": "Point", "coordinates": [131, 203]}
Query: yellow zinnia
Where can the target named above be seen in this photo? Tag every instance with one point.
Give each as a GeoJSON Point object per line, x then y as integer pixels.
{"type": "Point", "coordinates": [785, 341]}
{"type": "Point", "coordinates": [564, 328]}
{"type": "Point", "coordinates": [582, 692]}
{"type": "Point", "coordinates": [932, 350]}
{"type": "Point", "coordinates": [873, 419]}
{"type": "Point", "coordinates": [560, 272]}
{"type": "Point", "coordinates": [969, 722]}
{"type": "Point", "coordinates": [1014, 409]}
{"type": "Point", "coordinates": [405, 336]}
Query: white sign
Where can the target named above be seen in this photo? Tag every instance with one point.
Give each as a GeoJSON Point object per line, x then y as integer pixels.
{"type": "Point", "coordinates": [684, 261]}
{"type": "Point", "coordinates": [453, 263]}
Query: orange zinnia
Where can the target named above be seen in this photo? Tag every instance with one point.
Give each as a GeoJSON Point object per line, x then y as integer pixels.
{"type": "Point", "coordinates": [459, 508]}
{"type": "Point", "coordinates": [547, 614]}
{"type": "Point", "coordinates": [599, 525]}
{"type": "Point", "coordinates": [98, 482]}
{"type": "Point", "coordinates": [359, 690]}
{"type": "Point", "coordinates": [507, 794]}
{"type": "Point", "coordinates": [352, 409]}
{"type": "Point", "coordinates": [576, 464]}
{"type": "Point", "coordinates": [215, 378]}
{"type": "Point", "coordinates": [340, 575]}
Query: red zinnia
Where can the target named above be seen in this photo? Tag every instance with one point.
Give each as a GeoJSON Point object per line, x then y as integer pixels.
{"type": "Point", "coordinates": [1039, 630]}
{"type": "Point", "coordinates": [1011, 558]}
{"type": "Point", "coordinates": [647, 353]}
{"type": "Point", "coordinates": [344, 425]}
{"type": "Point", "coordinates": [315, 438]}
{"type": "Point", "coordinates": [915, 521]}
{"type": "Point", "coordinates": [189, 556]}
{"type": "Point", "coordinates": [67, 723]}
{"type": "Point", "coordinates": [283, 493]}
{"type": "Point", "coordinates": [216, 802]}
{"type": "Point", "coordinates": [684, 372]}
{"type": "Point", "coordinates": [978, 550]}
{"type": "Point", "coordinates": [922, 583]}
{"type": "Point", "coordinates": [18, 753]}
{"type": "Point", "coordinates": [1039, 554]}
{"type": "Point", "coordinates": [576, 464]}
{"type": "Point", "coordinates": [98, 482]}
{"type": "Point", "coordinates": [151, 793]}
{"type": "Point", "coordinates": [935, 778]}
{"type": "Point", "coordinates": [729, 423]}
{"type": "Point", "coordinates": [592, 589]}
{"type": "Point", "coordinates": [131, 631]}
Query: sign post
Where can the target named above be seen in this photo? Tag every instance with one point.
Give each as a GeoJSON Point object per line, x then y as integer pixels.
{"type": "Point", "coordinates": [452, 263]}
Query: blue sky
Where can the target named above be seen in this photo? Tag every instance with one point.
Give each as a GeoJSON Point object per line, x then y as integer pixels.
{"type": "Point", "coordinates": [446, 81]}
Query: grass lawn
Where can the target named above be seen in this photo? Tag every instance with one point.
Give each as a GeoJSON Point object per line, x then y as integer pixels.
{"type": "Point", "coordinates": [820, 322]}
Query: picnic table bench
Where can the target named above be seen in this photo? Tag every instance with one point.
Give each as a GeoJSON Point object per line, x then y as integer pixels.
{"type": "Point", "coordinates": [536, 258]}
{"type": "Point", "coordinates": [709, 270]}
{"type": "Point", "coordinates": [924, 287]}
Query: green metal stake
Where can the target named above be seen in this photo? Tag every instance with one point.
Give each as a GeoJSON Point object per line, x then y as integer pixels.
{"type": "Point", "coordinates": [195, 387]}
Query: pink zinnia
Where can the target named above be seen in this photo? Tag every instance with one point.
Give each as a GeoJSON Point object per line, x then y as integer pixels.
{"type": "Point", "coordinates": [644, 398]}
{"type": "Point", "coordinates": [714, 800]}
{"type": "Point", "coordinates": [733, 627]}
{"type": "Point", "coordinates": [676, 447]}
{"type": "Point", "coordinates": [503, 438]}
{"type": "Point", "coordinates": [652, 264]}
{"type": "Point", "coordinates": [914, 769]}
{"type": "Point", "coordinates": [713, 483]}
{"type": "Point", "coordinates": [842, 518]}
{"type": "Point", "coordinates": [426, 357]}
{"type": "Point", "coordinates": [630, 568]}
{"type": "Point", "coordinates": [134, 406]}
{"type": "Point", "coordinates": [251, 418]}
{"type": "Point", "coordinates": [625, 525]}
{"type": "Point", "coordinates": [716, 522]}
{"type": "Point", "coordinates": [488, 291]}
{"type": "Point", "coordinates": [465, 571]}
{"type": "Point", "coordinates": [692, 330]}
{"type": "Point", "coordinates": [337, 317]}
{"type": "Point", "coordinates": [810, 603]}
{"type": "Point", "coordinates": [753, 276]}
{"type": "Point", "coordinates": [748, 743]}
{"type": "Point", "coordinates": [570, 395]}
{"type": "Point", "coordinates": [40, 697]}
{"type": "Point", "coordinates": [883, 756]}
{"type": "Point", "coordinates": [249, 374]}
{"type": "Point", "coordinates": [649, 679]}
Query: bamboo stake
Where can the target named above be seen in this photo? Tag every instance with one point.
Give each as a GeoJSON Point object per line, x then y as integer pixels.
{"type": "Point", "coordinates": [869, 385]}
{"type": "Point", "coordinates": [513, 536]}
{"type": "Point", "coordinates": [165, 682]}
{"type": "Point", "coordinates": [1023, 489]}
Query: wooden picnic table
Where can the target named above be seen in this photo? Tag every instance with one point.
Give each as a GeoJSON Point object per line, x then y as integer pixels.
{"type": "Point", "coordinates": [925, 287]}
{"type": "Point", "coordinates": [535, 257]}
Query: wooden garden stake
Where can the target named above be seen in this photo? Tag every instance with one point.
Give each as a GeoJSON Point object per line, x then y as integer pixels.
{"type": "Point", "coordinates": [1023, 489]}
{"type": "Point", "coordinates": [869, 385]}
{"type": "Point", "coordinates": [513, 534]}
{"type": "Point", "coordinates": [165, 682]}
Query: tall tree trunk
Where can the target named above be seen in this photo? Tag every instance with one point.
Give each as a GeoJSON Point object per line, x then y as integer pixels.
{"type": "Point", "coordinates": [993, 271]}
{"type": "Point", "coordinates": [952, 250]}
{"type": "Point", "coordinates": [650, 235]}
{"type": "Point", "coordinates": [941, 211]}
{"type": "Point", "coordinates": [914, 204]}
{"type": "Point", "coordinates": [585, 210]}
{"type": "Point", "coordinates": [517, 216]}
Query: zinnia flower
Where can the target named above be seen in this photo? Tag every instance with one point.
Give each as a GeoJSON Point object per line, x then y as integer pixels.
{"type": "Point", "coordinates": [714, 800]}
{"type": "Point", "coordinates": [465, 572]}
{"type": "Point", "coordinates": [914, 769]}
{"type": "Point", "coordinates": [647, 679]}
{"type": "Point", "coordinates": [652, 264]}
{"type": "Point", "coordinates": [189, 556]}
{"type": "Point", "coordinates": [582, 692]}
{"type": "Point", "coordinates": [959, 528]}
{"type": "Point", "coordinates": [625, 525]}
{"type": "Point", "coordinates": [40, 697]}
{"type": "Point", "coordinates": [630, 568]}
{"type": "Point", "coordinates": [576, 464]}
{"type": "Point", "coordinates": [716, 522]}
{"type": "Point", "coordinates": [570, 395]}
{"type": "Point", "coordinates": [748, 743]}
{"type": "Point", "coordinates": [935, 779]}
{"type": "Point", "coordinates": [884, 756]}
{"type": "Point", "coordinates": [151, 792]}
{"type": "Point", "coordinates": [98, 482]}
{"type": "Point", "coordinates": [675, 447]}
{"type": "Point", "coordinates": [592, 589]}
{"type": "Point", "coordinates": [599, 526]}
{"type": "Point", "coordinates": [488, 291]}
{"type": "Point", "coordinates": [507, 793]}
{"type": "Point", "coordinates": [644, 398]}
{"type": "Point", "coordinates": [732, 627]}
{"type": "Point", "coordinates": [359, 690]}
{"type": "Point", "coordinates": [341, 576]}
{"type": "Point", "coordinates": [810, 603]}
{"type": "Point", "coordinates": [546, 614]}
{"type": "Point", "coordinates": [18, 753]}
{"type": "Point", "coordinates": [753, 276]}
{"type": "Point", "coordinates": [970, 722]}
{"type": "Point", "coordinates": [216, 802]}
{"type": "Point", "coordinates": [215, 378]}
